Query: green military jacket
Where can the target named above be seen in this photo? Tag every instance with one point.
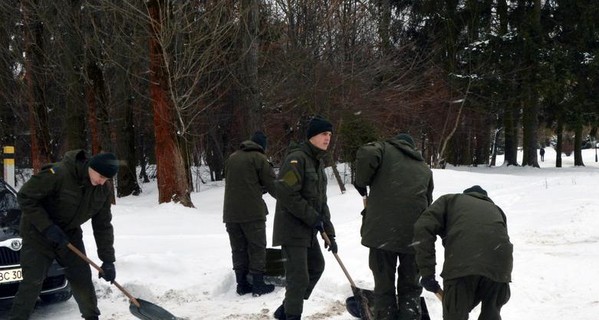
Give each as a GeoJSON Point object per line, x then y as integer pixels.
{"type": "Point", "coordinates": [247, 175]}
{"type": "Point", "coordinates": [62, 194]}
{"type": "Point", "coordinates": [301, 197]}
{"type": "Point", "coordinates": [401, 187]}
{"type": "Point", "coordinates": [474, 233]}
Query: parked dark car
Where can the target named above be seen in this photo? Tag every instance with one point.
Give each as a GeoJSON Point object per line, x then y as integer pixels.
{"type": "Point", "coordinates": [56, 287]}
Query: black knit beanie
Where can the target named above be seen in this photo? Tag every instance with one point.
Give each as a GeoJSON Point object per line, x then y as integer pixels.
{"type": "Point", "coordinates": [406, 138]}
{"type": "Point", "coordinates": [105, 164]}
{"type": "Point", "coordinates": [476, 188]}
{"type": "Point", "coordinates": [260, 138]}
{"type": "Point", "coordinates": [318, 125]}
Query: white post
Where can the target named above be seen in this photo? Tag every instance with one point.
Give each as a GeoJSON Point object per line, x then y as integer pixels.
{"type": "Point", "coordinates": [9, 165]}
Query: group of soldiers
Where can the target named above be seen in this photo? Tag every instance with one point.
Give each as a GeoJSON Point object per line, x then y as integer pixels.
{"type": "Point", "coordinates": [400, 224]}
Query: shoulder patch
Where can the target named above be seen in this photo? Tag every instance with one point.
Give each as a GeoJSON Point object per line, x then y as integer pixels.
{"type": "Point", "coordinates": [290, 178]}
{"type": "Point", "coordinates": [50, 168]}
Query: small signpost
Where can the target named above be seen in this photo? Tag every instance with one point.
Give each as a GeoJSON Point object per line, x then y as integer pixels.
{"type": "Point", "coordinates": [9, 165]}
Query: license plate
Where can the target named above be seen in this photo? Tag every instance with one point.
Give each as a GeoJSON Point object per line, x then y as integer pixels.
{"type": "Point", "coordinates": [11, 275]}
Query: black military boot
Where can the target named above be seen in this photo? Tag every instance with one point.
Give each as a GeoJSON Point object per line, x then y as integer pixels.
{"type": "Point", "coordinates": [280, 312]}
{"type": "Point", "coordinates": [259, 287]}
{"type": "Point", "coordinates": [243, 286]}
{"type": "Point", "coordinates": [410, 308]}
{"type": "Point", "coordinates": [293, 317]}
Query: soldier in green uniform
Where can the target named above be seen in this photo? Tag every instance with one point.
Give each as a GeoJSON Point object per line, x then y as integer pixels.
{"type": "Point", "coordinates": [401, 188]}
{"type": "Point", "coordinates": [248, 174]}
{"type": "Point", "coordinates": [55, 203]}
{"type": "Point", "coordinates": [478, 253]}
{"type": "Point", "coordinates": [302, 212]}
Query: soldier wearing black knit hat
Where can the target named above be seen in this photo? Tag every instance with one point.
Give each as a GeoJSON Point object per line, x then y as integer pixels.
{"type": "Point", "coordinates": [318, 125]}
{"type": "Point", "coordinates": [301, 213]}
{"type": "Point", "coordinates": [55, 203]}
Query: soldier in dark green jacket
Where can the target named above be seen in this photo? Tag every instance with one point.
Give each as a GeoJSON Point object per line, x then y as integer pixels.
{"type": "Point", "coordinates": [478, 253]}
{"type": "Point", "coordinates": [302, 212]}
{"type": "Point", "coordinates": [248, 174]}
{"type": "Point", "coordinates": [401, 187]}
{"type": "Point", "coordinates": [55, 203]}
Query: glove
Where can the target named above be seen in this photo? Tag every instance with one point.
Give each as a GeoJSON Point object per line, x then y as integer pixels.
{"type": "Point", "coordinates": [319, 225]}
{"type": "Point", "coordinates": [108, 272]}
{"type": "Point", "coordinates": [430, 284]}
{"type": "Point", "coordinates": [333, 246]}
{"type": "Point", "coordinates": [361, 190]}
{"type": "Point", "coordinates": [56, 236]}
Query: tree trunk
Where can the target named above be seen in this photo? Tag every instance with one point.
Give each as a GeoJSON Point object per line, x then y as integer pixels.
{"type": "Point", "coordinates": [494, 148]}
{"type": "Point", "coordinates": [441, 155]}
{"type": "Point", "coordinates": [250, 87]}
{"type": "Point", "coordinates": [8, 122]}
{"type": "Point", "coordinates": [127, 177]}
{"type": "Point", "coordinates": [73, 62]}
{"type": "Point", "coordinates": [384, 25]}
{"type": "Point", "coordinates": [530, 122]}
{"type": "Point", "coordinates": [559, 131]}
{"type": "Point", "coordinates": [215, 158]}
{"type": "Point", "coordinates": [97, 109]}
{"type": "Point", "coordinates": [35, 82]}
{"type": "Point", "coordinates": [97, 120]}
{"type": "Point", "coordinates": [578, 143]}
{"type": "Point", "coordinates": [330, 160]}
{"type": "Point", "coordinates": [172, 178]}
{"type": "Point", "coordinates": [510, 122]}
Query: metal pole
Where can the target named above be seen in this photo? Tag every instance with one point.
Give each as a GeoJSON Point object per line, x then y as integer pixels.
{"type": "Point", "coordinates": [9, 165]}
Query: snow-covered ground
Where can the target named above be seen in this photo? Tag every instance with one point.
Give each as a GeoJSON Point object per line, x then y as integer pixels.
{"type": "Point", "coordinates": [179, 258]}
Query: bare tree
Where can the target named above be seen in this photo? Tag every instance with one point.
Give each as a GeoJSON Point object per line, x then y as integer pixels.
{"type": "Point", "coordinates": [35, 82]}
{"type": "Point", "coordinates": [8, 78]}
{"type": "Point", "coordinates": [70, 28]}
{"type": "Point", "coordinates": [530, 107]}
{"type": "Point", "coordinates": [173, 182]}
{"type": "Point", "coordinates": [250, 90]}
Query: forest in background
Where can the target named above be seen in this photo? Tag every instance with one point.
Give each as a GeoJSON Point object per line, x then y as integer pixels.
{"type": "Point", "coordinates": [178, 84]}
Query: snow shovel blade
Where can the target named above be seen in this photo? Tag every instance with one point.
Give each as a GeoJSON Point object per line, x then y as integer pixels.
{"type": "Point", "coordinates": [150, 311]}
{"type": "Point", "coordinates": [357, 310]}
{"type": "Point", "coordinates": [361, 300]}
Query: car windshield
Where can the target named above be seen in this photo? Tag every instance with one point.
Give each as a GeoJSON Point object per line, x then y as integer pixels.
{"type": "Point", "coordinates": [10, 214]}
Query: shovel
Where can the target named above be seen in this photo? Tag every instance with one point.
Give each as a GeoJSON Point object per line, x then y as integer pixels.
{"type": "Point", "coordinates": [359, 294]}
{"type": "Point", "coordinates": [139, 308]}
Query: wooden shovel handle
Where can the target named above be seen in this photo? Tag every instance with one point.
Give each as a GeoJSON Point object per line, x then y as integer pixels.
{"type": "Point", "coordinates": [439, 294]}
{"type": "Point", "coordinates": [93, 264]}
{"type": "Point", "coordinates": [326, 239]}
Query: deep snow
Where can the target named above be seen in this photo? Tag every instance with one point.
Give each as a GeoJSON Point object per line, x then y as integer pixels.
{"type": "Point", "coordinates": [179, 258]}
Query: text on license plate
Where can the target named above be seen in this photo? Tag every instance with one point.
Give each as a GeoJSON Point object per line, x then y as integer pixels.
{"type": "Point", "coordinates": [11, 275]}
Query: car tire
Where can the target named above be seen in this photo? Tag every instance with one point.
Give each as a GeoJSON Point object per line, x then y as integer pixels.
{"type": "Point", "coordinates": [56, 297]}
